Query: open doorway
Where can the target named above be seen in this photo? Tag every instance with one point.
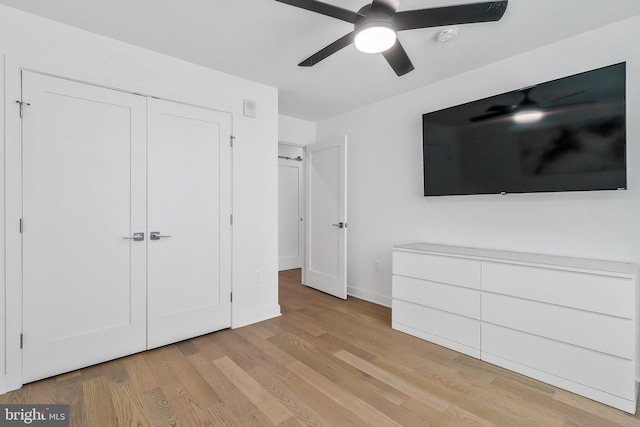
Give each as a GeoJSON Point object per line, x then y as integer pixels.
{"type": "Point", "coordinates": [291, 187]}
{"type": "Point", "coordinates": [313, 214]}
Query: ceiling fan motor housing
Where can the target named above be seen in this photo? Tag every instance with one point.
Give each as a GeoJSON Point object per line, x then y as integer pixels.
{"type": "Point", "coordinates": [367, 17]}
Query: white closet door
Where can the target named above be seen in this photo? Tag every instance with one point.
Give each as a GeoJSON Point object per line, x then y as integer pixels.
{"type": "Point", "coordinates": [189, 197]}
{"type": "Point", "coordinates": [83, 193]}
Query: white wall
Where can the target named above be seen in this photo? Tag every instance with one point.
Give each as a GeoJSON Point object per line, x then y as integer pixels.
{"type": "Point", "coordinates": [386, 206]}
{"type": "Point", "coordinates": [42, 45]}
{"type": "Point", "coordinates": [296, 131]}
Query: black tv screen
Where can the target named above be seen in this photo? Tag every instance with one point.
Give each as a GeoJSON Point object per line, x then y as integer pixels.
{"type": "Point", "coordinates": [564, 135]}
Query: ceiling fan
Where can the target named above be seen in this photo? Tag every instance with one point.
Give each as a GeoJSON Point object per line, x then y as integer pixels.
{"type": "Point", "coordinates": [525, 111]}
{"type": "Point", "coordinates": [376, 25]}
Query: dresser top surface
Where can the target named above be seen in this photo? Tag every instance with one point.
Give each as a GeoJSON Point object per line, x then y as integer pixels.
{"type": "Point", "coordinates": [613, 267]}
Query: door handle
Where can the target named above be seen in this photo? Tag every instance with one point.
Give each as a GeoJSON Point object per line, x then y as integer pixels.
{"type": "Point", "coordinates": [155, 235]}
{"type": "Point", "coordinates": [137, 237]}
{"type": "Point", "coordinates": [341, 225]}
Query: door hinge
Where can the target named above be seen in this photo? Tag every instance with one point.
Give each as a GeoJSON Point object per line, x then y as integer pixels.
{"type": "Point", "coordinates": [20, 225]}
{"type": "Point", "coordinates": [231, 219]}
{"type": "Point", "coordinates": [231, 296]}
{"type": "Point", "coordinates": [21, 340]}
{"type": "Point", "coordinates": [231, 140]}
{"type": "Point", "coordinates": [22, 104]}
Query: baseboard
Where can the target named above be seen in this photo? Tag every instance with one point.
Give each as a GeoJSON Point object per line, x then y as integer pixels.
{"type": "Point", "coordinates": [369, 296]}
{"type": "Point", "coordinates": [256, 316]}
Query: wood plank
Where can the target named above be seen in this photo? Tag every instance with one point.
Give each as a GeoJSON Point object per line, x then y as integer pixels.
{"type": "Point", "coordinates": [349, 378]}
{"type": "Point", "coordinates": [97, 403]}
{"type": "Point", "coordinates": [157, 408]}
{"type": "Point", "coordinates": [361, 409]}
{"type": "Point", "coordinates": [394, 381]}
{"type": "Point", "coordinates": [275, 411]}
{"type": "Point", "coordinates": [278, 386]}
{"type": "Point", "coordinates": [70, 391]}
{"type": "Point", "coordinates": [453, 416]}
{"type": "Point", "coordinates": [44, 393]}
{"type": "Point", "coordinates": [243, 352]}
{"type": "Point", "coordinates": [324, 405]}
{"type": "Point", "coordinates": [184, 371]}
{"type": "Point", "coordinates": [128, 407]}
{"type": "Point", "coordinates": [162, 365]}
{"type": "Point", "coordinates": [116, 373]}
{"type": "Point", "coordinates": [220, 415]}
{"type": "Point", "coordinates": [592, 413]}
{"type": "Point", "coordinates": [232, 398]}
{"type": "Point", "coordinates": [139, 373]}
{"type": "Point", "coordinates": [258, 330]}
{"type": "Point", "coordinates": [207, 346]}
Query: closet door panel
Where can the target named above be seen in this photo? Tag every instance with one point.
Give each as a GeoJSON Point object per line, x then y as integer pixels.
{"type": "Point", "coordinates": [83, 195]}
{"type": "Point", "coordinates": [189, 207]}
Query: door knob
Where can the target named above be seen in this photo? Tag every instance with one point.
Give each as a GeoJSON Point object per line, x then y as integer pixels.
{"type": "Point", "coordinates": [155, 235]}
{"type": "Point", "coordinates": [341, 225]}
{"type": "Point", "coordinates": [137, 237]}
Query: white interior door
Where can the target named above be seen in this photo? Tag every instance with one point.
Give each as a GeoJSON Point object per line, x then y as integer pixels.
{"type": "Point", "coordinates": [326, 248]}
{"type": "Point", "coordinates": [189, 197]}
{"type": "Point", "coordinates": [290, 206]}
{"type": "Point", "coordinates": [83, 194]}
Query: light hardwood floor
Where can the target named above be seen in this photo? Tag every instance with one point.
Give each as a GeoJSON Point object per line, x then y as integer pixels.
{"type": "Point", "coordinates": [324, 362]}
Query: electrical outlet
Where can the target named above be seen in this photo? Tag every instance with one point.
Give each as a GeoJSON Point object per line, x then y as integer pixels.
{"type": "Point", "coordinates": [378, 265]}
{"type": "Point", "coordinates": [258, 275]}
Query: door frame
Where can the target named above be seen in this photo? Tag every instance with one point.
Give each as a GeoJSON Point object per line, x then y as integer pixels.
{"type": "Point", "coordinates": [13, 213]}
{"type": "Point", "coordinates": [301, 201]}
{"type": "Point", "coordinates": [11, 184]}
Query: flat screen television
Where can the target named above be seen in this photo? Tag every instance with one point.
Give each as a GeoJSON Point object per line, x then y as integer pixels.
{"type": "Point", "coordinates": [567, 134]}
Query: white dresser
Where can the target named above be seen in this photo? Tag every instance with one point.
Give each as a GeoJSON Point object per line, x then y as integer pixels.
{"type": "Point", "coordinates": [569, 322]}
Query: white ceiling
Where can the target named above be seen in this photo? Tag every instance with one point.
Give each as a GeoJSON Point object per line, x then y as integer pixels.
{"type": "Point", "coordinates": [264, 40]}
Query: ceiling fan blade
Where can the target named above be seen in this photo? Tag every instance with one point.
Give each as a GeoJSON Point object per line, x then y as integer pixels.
{"type": "Point", "coordinates": [501, 108]}
{"type": "Point", "coordinates": [385, 6]}
{"type": "Point", "coordinates": [398, 59]}
{"type": "Point", "coordinates": [341, 43]}
{"type": "Point", "coordinates": [564, 97]}
{"type": "Point", "coordinates": [324, 9]}
{"type": "Point", "coordinates": [450, 15]}
{"type": "Point", "coordinates": [489, 116]}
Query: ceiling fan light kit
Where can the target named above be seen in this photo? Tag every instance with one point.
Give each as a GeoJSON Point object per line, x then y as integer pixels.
{"type": "Point", "coordinates": [376, 26]}
{"type": "Point", "coordinates": [375, 38]}
{"type": "Point", "coordinates": [528, 116]}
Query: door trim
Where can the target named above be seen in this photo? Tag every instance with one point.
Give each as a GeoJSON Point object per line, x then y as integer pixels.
{"type": "Point", "coordinates": [13, 213]}
{"type": "Point", "coordinates": [301, 202]}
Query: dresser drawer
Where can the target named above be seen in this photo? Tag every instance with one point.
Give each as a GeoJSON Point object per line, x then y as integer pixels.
{"type": "Point", "coordinates": [600, 332]}
{"type": "Point", "coordinates": [454, 328]}
{"type": "Point", "coordinates": [441, 269]}
{"type": "Point", "coordinates": [581, 366]}
{"type": "Point", "coordinates": [454, 299]}
{"type": "Point", "coordinates": [592, 292]}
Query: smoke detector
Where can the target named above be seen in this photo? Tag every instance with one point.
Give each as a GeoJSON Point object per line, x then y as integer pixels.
{"type": "Point", "coordinates": [447, 34]}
